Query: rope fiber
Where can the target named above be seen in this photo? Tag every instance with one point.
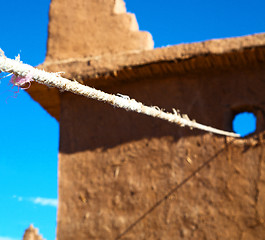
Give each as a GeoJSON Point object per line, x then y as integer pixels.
{"type": "Point", "coordinates": [21, 70]}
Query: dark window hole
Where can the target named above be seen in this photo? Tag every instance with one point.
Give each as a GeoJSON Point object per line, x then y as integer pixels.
{"type": "Point", "coordinates": [244, 123]}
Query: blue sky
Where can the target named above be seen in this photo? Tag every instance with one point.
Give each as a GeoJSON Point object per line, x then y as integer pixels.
{"type": "Point", "coordinates": [29, 136]}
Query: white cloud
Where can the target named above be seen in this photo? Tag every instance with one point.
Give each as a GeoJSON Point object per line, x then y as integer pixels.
{"type": "Point", "coordinates": [51, 202]}
{"type": "Point", "coordinates": [44, 201]}
{"type": "Point", "coordinates": [8, 238]}
{"type": "Point", "coordinates": [18, 198]}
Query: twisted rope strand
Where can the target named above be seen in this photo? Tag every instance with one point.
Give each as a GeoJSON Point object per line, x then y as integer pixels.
{"type": "Point", "coordinates": [55, 80]}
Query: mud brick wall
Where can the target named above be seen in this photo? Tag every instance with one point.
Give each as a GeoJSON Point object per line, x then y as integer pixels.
{"type": "Point", "coordinates": [127, 176]}
{"type": "Point", "coordinates": [92, 28]}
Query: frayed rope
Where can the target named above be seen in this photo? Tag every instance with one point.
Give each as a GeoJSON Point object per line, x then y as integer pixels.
{"type": "Point", "coordinates": [25, 73]}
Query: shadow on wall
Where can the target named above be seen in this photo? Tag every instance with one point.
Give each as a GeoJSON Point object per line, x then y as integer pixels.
{"type": "Point", "coordinates": [211, 98]}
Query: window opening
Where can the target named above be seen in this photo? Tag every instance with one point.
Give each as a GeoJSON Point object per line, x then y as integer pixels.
{"type": "Point", "coordinates": [244, 123]}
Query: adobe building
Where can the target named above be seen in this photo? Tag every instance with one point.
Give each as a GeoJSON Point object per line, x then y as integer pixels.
{"type": "Point", "coordinates": [32, 233]}
{"type": "Point", "coordinates": [123, 175]}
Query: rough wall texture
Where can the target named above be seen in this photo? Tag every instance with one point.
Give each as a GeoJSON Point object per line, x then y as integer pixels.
{"type": "Point", "coordinates": [92, 28]}
{"type": "Point", "coordinates": [127, 176]}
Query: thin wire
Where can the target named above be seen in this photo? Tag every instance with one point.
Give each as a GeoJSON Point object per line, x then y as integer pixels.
{"type": "Point", "coordinates": [178, 186]}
